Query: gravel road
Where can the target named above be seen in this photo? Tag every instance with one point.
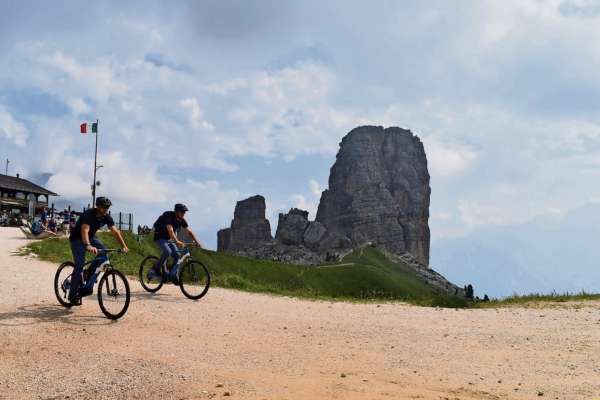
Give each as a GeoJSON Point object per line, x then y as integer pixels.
{"type": "Point", "coordinates": [246, 346]}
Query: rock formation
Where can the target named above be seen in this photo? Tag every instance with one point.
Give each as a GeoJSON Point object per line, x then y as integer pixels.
{"type": "Point", "coordinates": [249, 228]}
{"type": "Point", "coordinates": [297, 240]}
{"type": "Point", "coordinates": [379, 191]}
{"type": "Point", "coordinates": [291, 227]}
{"type": "Point", "coordinates": [378, 196]}
{"type": "Point", "coordinates": [314, 233]}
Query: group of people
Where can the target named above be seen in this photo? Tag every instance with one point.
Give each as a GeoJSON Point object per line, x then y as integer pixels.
{"type": "Point", "coordinates": [61, 222]}
{"type": "Point", "coordinates": [83, 239]}
{"type": "Point", "coordinates": [143, 230]}
{"type": "Point", "coordinates": [8, 218]}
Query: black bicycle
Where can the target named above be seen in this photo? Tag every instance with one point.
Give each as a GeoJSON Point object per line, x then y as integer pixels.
{"type": "Point", "coordinates": [192, 275]}
{"type": "Point", "coordinates": [113, 290]}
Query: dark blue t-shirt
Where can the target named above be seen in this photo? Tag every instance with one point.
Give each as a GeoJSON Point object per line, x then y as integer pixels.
{"type": "Point", "coordinates": [167, 218]}
{"type": "Point", "coordinates": [95, 222]}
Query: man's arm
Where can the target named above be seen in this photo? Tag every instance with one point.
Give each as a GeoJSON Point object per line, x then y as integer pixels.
{"type": "Point", "coordinates": [172, 235]}
{"type": "Point", "coordinates": [189, 232]}
{"type": "Point", "coordinates": [117, 234]}
{"type": "Point", "coordinates": [85, 237]}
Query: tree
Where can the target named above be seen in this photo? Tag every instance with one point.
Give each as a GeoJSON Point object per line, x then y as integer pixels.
{"type": "Point", "coordinates": [469, 291]}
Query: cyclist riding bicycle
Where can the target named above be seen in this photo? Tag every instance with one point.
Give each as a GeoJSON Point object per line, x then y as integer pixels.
{"type": "Point", "coordinates": [83, 238]}
{"type": "Point", "coordinates": [165, 229]}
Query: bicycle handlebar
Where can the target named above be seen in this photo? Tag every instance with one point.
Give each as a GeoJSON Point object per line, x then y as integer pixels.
{"type": "Point", "coordinates": [184, 243]}
{"type": "Point", "coordinates": [110, 250]}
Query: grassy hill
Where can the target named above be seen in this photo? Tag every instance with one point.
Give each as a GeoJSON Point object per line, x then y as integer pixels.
{"type": "Point", "coordinates": [363, 275]}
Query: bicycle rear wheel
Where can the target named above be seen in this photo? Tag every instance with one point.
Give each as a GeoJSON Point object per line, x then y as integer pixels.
{"type": "Point", "coordinates": [194, 280]}
{"type": "Point", "coordinates": [113, 294]}
{"type": "Point", "coordinates": [150, 285]}
{"type": "Point", "coordinates": [62, 283]}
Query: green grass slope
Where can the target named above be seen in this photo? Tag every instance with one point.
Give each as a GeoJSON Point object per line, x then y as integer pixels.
{"type": "Point", "coordinates": [365, 274]}
{"type": "Point", "coordinates": [538, 300]}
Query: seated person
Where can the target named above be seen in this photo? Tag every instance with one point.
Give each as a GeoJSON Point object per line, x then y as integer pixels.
{"type": "Point", "coordinates": [36, 227]}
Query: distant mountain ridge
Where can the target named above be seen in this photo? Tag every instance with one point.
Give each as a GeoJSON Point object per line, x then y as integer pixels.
{"type": "Point", "coordinates": [551, 253]}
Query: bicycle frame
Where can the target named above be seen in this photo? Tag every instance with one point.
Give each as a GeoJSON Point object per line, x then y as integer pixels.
{"type": "Point", "coordinates": [99, 267]}
{"type": "Point", "coordinates": [184, 254]}
{"type": "Point", "coordinates": [103, 266]}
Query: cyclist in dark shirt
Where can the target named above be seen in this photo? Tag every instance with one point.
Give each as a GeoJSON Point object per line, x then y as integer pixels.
{"type": "Point", "coordinates": [165, 229]}
{"type": "Point", "coordinates": [83, 239]}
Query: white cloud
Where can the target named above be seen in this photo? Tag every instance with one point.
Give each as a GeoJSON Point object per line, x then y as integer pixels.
{"type": "Point", "coordinates": [191, 105]}
{"type": "Point", "coordinates": [448, 160]}
{"type": "Point", "coordinates": [209, 203]}
{"type": "Point", "coordinates": [122, 178]}
{"type": "Point", "coordinates": [282, 113]}
{"type": "Point", "coordinates": [288, 112]}
{"type": "Point", "coordinates": [309, 201]}
{"type": "Point", "coordinates": [299, 201]}
{"type": "Point", "coordinates": [12, 129]}
{"type": "Point", "coordinates": [225, 88]}
{"type": "Point", "coordinates": [441, 216]}
{"type": "Point", "coordinates": [70, 185]}
{"type": "Point", "coordinates": [97, 78]}
{"type": "Point", "coordinates": [78, 105]}
{"type": "Point", "coordinates": [315, 188]}
{"type": "Point", "coordinates": [474, 215]}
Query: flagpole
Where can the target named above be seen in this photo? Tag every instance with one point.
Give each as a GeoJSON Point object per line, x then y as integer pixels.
{"type": "Point", "coordinates": [95, 169]}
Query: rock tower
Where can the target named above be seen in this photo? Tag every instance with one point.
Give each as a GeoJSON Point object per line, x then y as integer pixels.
{"type": "Point", "coordinates": [379, 191]}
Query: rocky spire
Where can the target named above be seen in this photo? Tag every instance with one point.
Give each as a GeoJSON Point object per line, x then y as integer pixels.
{"type": "Point", "coordinates": [249, 228]}
{"type": "Point", "coordinates": [379, 191]}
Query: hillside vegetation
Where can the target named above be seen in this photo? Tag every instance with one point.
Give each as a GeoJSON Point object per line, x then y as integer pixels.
{"type": "Point", "coordinates": [363, 275]}
{"type": "Point", "coordinates": [539, 300]}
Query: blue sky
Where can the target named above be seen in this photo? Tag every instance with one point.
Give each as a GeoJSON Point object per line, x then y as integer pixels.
{"type": "Point", "coordinates": [207, 102]}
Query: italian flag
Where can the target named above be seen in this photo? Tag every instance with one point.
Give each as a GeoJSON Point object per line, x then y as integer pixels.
{"type": "Point", "coordinates": [85, 127]}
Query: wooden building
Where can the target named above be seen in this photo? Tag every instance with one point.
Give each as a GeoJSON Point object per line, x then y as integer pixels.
{"type": "Point", "coordinates": [17, 195]}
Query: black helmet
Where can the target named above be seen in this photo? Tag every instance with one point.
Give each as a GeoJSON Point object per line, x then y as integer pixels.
{"type": "Point", "coordinates": [180, 207]}
{"type": "Point", "coordinates": [103, 202]}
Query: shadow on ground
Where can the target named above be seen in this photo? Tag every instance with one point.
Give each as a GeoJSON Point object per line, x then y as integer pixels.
{"type": "Point", "coordinates": [39, 314]}
{"type": "Point", "coordinates": [161, 297]}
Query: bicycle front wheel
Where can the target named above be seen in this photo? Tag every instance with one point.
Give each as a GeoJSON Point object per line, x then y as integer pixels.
{"type": "Point", "coordinates": [113, 294]}
{"type": "Point", "coordinates": [194, 280]}
{"type": "Point", "coordinates": [62, 283]}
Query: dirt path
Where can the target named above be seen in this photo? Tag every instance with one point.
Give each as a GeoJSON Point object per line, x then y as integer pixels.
{"type": "Point", "coordinates": [262, 347]}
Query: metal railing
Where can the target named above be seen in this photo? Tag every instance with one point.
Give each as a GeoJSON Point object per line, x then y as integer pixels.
{"type": "Point", "coordinates": [123, 221]}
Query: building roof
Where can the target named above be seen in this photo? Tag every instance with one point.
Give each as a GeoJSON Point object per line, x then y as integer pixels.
{"type": "Point", "coordinates": [22, 185]}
